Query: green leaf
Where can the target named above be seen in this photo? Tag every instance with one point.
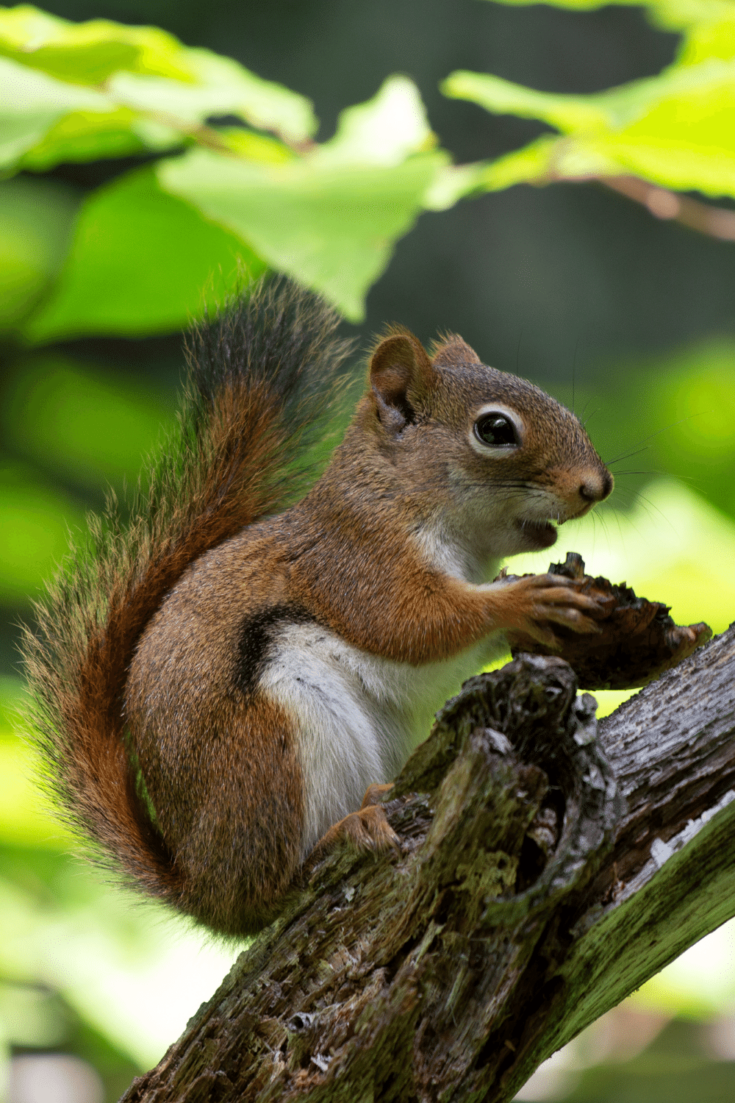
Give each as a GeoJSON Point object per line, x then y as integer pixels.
{"type": "Point", "coordinates": [532, 163]}
{"type": "Point", "coordinates": [565, 112]}
{"type": "Point", "coordinates": [382, 131]}
{"type": "Point", "coordinates": [141, 262]}
{"type": "Point", "coordinates": [89, 136]}
{"type": "Point", "coordinates": [149, 71]}
{"type": "Point", "coordinates": [328, 218]}
{"type": "Point", "coordinates": [677, 129]}
{"type": "Point", "coordinates": [217, 86]}
{"type": "Point", "coordinates": [331, 226]}
{"type": "Point", "coordinates": [31, 102]}
{"type": "Point", "coordinates": [88, 52]}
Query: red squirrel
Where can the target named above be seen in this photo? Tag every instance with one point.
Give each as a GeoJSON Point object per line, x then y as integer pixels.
{"type": "Point", "coordinates": [220, 679]}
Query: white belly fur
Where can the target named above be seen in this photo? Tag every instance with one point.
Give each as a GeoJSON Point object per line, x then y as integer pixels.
{"type": "Point", "coordinates": [357, 715]}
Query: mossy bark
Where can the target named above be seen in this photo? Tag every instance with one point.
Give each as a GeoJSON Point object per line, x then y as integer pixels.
{"type": "Point", "coordinates": [546, 870]}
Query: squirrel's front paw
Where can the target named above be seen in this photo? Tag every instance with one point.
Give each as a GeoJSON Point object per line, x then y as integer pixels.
{"type": "Point", "coordinates": [537, 602]}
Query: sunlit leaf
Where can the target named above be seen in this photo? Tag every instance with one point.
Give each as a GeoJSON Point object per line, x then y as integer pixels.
{"type": "Point", "coordinates": [150, 71]}
{"type": "Point", "coordinates": [532, 162]}
{"type": "Point", "coordinates": [573, 5]}
{"type": "Point", "coordinates": [565, 112]}
{"type": "Point", "coordinates": [677, 129]}
{"type": "Point", "coordinates": [330, 226]}
{"type": "Point", "coordinates": [91, 136]}
{"type": "Point", "coordinates": [141, 261]}
{"type": "Point", "coordinates": [217, 86]}
{"type": "Point", "coordinates": [88, 52]}
{"type": "Point", "coordinates": [31, 102]}
{"type": "Point", "coordinates": [381, 131]}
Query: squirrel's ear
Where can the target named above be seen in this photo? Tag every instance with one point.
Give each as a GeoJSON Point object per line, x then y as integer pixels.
{"type": "Point", "coordinates": [401, 373]}
{"type": "Point", "coordinates": [451, 351]}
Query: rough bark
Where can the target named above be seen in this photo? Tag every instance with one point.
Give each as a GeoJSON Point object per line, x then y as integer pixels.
{"type": "Point", "coordinates": [545, 872]}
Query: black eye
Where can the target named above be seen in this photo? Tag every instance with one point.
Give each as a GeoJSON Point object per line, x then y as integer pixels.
{"type": "Point", "coordinates": [496, 429]}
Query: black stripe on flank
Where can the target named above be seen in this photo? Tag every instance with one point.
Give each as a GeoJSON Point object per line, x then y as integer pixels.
{"type": "Point", "coordinates": [255, 638]}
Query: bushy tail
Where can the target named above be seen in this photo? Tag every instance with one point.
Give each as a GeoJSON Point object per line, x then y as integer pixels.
{"type": "Point", "coordinates": [257, 373]}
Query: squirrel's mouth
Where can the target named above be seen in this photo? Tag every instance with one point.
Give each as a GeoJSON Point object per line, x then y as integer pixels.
{"type": "Point", "coordinates": [539, 534]}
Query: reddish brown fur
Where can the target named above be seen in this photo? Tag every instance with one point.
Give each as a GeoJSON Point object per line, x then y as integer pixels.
{"type": "Point", "coordinates": [219, 757]}
{"type": "Point", "coordinates": [91, 708]}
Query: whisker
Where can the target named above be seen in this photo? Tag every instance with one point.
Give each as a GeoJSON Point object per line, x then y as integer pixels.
{"type": "Point", "coordinates": [626, 456]}
{"type": "Point", "coordinates": [658, 433]}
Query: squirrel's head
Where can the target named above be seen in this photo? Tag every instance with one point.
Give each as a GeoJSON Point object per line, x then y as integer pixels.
{"type": "Point", "coordinates": [490, 456]}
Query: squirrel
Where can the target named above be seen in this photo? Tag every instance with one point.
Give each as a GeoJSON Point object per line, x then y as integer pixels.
{"type": "Point", "coordinates": [219, 679]}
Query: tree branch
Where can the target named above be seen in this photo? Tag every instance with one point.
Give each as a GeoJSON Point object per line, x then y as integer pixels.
{"type": "Point", "coordinates": [718, 222]}
{"type": "Point", "coordinates": [544, 873]}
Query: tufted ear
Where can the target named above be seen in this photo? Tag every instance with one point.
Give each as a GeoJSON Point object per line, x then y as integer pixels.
{"type": "Point", "coordinates": [401, 374]}
{"type": "Point", "coordinates": [451, 351]}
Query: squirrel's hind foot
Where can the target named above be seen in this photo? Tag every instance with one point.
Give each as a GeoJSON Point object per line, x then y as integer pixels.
{"type": "Point", "coordinates": [366, 829]}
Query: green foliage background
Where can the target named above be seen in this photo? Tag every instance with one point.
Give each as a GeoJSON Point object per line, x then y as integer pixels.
{"type": "Point", "coordinates": [142, 179]}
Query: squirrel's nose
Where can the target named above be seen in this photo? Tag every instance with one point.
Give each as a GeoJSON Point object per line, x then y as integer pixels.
{"type": "Point", "coordinates": [596, 486]}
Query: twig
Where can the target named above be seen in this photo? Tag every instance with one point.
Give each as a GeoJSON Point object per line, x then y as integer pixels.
{"type": "Point", "coordinates": [717, 222]}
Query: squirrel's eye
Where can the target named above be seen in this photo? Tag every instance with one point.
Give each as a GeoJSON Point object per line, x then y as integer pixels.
{"type": "Point", "coordinates": [496, 430]}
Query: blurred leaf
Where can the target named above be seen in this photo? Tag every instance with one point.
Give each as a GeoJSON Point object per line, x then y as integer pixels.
{"type": "Point", "coordinates": [155, 89]}
{"type": "Point", "coordinates": [382, 131]}
{"type": "Point", "coordinates": [88, 52]}
{"type": "Point", "coordinates": [217, 86]}
{"type": "Point", "coordinates": [529, 164]}
{"type": "Point", "coordinates": [566, 112]}
{"type": "Point", "coordinates": [330, 217]}
{"type": "Point", "coordinates": [574, 5]}
{"type": "Point", "coordinates": [676, 129]}
{"type": "Point", "coordinates": [254, 146]}
{"type": "Point", "coordinates": [36, 1017]}
{"type": "Point", "coordinates": [141, 261]}
{"type": "Point", "coordinates": [26, 818]}
{"type": "Point", "coordinates": [12, 696]}
{"type": "Point", "coordinates": [330, 226]}
{"type": "Point", "coordinates": [31, 1016]}
{"type": "Point", "coordinates": [87, 425]}
{"type": "Point", "coordinates": [670, 414]}
{"type": "Point", "coordinates": [34, 521]}
{"type": "Point", "coordinates": [35, 226]}
{"type": "Point", "coordinates": [677, 1067]}
{"type": "Point", "coordinates": [90, 136]}
{"type": "Point", "coordinates": [32, 102]}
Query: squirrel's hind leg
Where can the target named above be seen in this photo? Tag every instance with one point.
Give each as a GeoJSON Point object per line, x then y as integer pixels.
{"type": "Point", "coordinates": [236, 824]}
